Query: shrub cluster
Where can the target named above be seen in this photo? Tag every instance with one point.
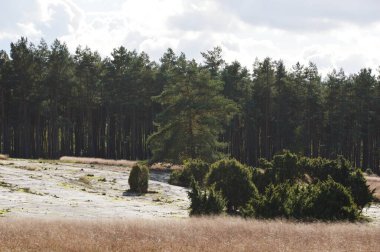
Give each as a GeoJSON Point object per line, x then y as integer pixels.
{"type": "Point", "coordinates": [289, 186]}
{"type": "Point", "coordinates": [138, 179]}
{"type": "Point", "coordinates": [326, 200]}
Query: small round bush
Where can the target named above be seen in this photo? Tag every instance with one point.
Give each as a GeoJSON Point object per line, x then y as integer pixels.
{"type": "Point", "coordinates": [138, 179]}
{"type": "Point", "coordinates": [234, 181]}
{"type": "Point", "coordinates": [193, 169]}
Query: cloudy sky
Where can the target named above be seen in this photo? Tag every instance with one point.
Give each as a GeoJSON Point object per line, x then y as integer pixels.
{"type": "Point", "coordinates": [331, 33]}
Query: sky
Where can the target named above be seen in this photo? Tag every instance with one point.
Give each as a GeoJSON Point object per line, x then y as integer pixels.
{"type": "Point", "coordinates": [331, 33]}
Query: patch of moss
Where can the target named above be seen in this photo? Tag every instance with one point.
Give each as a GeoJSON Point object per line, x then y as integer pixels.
{"type": "Point", "coordinates": [4, 211]}
{"type": "Point", "coordinates": [28, 190]}
{"type": "Point", "coordinates": [5, 184]}
{"type": "Point", "coordinates": [66, 185]}
{"type": "Point", "coordinates": [102, 179]}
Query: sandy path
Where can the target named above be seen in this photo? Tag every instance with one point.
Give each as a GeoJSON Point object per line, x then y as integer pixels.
{"type": "Point", "coordinates": [35, 188]}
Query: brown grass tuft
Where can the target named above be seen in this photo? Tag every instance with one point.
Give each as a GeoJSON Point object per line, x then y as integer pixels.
{"type": "Point", "coordinates": [3, 157]}
{"type": "Point", "coordinates": [101, 161]}
{"type": "Point", "coordinates": [203, 234]}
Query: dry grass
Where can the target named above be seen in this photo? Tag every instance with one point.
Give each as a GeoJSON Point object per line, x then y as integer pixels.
{"type": "Point", "coordinates": [3, 157]}
{"type": "Point", "coordinates": [165, 167]}
{"type": "Point", "coordinates": [87, 160]}
{"type": "Point", "coordinates": [212, 234]}
{"type": "Point", "coordinates": [101, 161]}
{"type": "Point", "coordinates": [374, 183]}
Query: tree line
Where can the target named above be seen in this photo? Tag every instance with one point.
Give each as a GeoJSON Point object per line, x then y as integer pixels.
{"type": "Point", "coordinates": [126, 106]}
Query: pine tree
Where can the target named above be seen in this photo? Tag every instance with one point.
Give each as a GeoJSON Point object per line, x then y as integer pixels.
{"type": "Point", "coordinates": [193, 115]}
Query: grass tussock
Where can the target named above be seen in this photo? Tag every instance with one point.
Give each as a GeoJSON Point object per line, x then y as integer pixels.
{"type": "Point", "coordinates": [374, 183]}
{"type": "Point", "coordinates": [203, 234]}
{"type": "Point", "coordinates": [3, 157]}
{"type": "Point", "coordinates": [101, 161]}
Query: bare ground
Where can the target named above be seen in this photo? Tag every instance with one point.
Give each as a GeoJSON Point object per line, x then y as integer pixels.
{"type": "Point", "coordinates": [39, 188]}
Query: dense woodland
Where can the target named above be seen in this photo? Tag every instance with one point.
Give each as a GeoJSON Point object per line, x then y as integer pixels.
{"type": "Point", "coordinates": [54, 103]}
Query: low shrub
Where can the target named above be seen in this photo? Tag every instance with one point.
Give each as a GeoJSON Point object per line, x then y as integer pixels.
{"type": "Point", "coordinates": [193, 169]}
{"type": "Point", "coordinates": [360, 191]}
{"type": "Point", "coordinates": [138, 179]}
{"type": "Point", "coordinates": [288, 187]}
{"type": "Point", "coordinates": [234, 181]}
{"type": "Point", "coordinates": [205, 201]}
{"type": "Point", "coordinates": [262, 178]}
{"type": "Point", "coordinates": [332, 201]}
{"type": "Point", "coordinates": [285, 166]}
{"type": "Point", "coordinates": [326, 200]}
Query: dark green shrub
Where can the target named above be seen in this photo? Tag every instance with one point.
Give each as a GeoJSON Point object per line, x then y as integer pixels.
{"type": "Point", "coordinates": [193, 169]}
{"type": "Point", "coordinates": [273, 202]}
{"type": "Point", "coordinates": [285, 166]}
{"type": "Point", "coordinates": [332, 201]}
{"type": "Point", "coordinates": [234, 181]}
{"type": "Point", "coordinates": [206, 201]}
{"type": "Point", "coordinates": [320, 169]}
{"type": "Point", "coordinates": [262, 178]}
{"type": "Point", "coordinates": [138, 179]}
{"type": "Point", "coordinates": [360, 191]}
{"type": "Point", "coordinates": [326, 200]}
{"type": "Point", "coordinates": [265, 164]}
{"type": "Point", "coordinates": [284, 200]}
{"type": "Point", "coordinates": [341, 171]}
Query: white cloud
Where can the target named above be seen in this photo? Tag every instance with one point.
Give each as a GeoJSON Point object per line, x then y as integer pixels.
{"type": "Point", "coordinates": [329, 33]}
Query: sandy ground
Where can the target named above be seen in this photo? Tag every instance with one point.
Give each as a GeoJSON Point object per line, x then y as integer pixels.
{"type": "Point", "coordinates": [43, 188]}
{"type": "Point", "coordinates": [32, 188]}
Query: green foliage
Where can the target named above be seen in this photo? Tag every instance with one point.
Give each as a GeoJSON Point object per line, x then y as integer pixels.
{"type": "Point", "coordinates": [138, 179]}
{"type": "Point", "coordinates": [193, 115]}
{"type": "Point", "coordinates": [234, 181]}
{"type": "Point", "coordinates": [205, 202]}
{"type": "Point", "coordinates": [193, 169]}
{"type": "Point", "coordinates": [285, 166]}
{"type": "Point", "coordinates": [103, 107]}
{"type": "Point", "coordinates": [327, 200]}
{"type": "Point", "coordinates": [262, 178]}
{"type": "Point", "coordinates": [288, 166]}
{"type": "Point", "coordinates": [342, 172]}
{"type": "Point", "coordinates": [332, 201]}
{"type": "Point", "coordinates": [360, 191]}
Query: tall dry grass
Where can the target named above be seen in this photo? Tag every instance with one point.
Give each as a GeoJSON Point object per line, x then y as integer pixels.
{"type": "Point", "coordinates": [101, 161]}
{"type": "Point", "coordinates": [204, 234]}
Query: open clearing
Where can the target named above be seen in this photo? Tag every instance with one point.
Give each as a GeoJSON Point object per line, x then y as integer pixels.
{"type": "Point", "coordinates": [53, 189]}
{"type": "Point", "coordinates": [33, 188]}
{"type": "Point", "coordinates": [65, 206]}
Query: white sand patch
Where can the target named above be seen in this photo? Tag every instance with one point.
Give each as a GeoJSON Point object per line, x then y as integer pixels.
{"type": "Point", "coordinates": [32, 188]}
